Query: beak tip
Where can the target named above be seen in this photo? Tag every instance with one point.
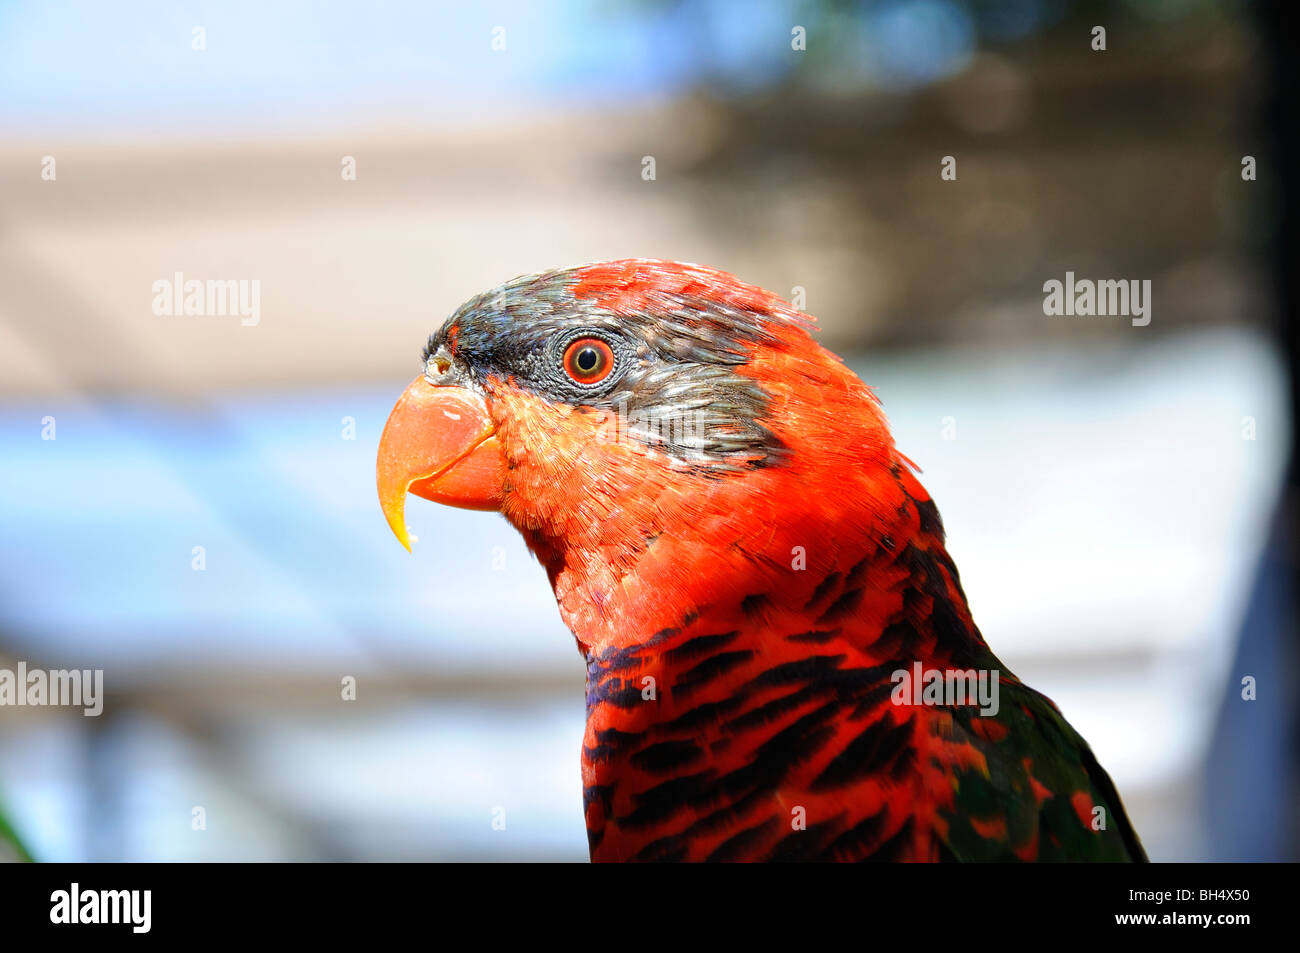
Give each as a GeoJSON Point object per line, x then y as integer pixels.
{"type": "Point", "coordinates": [403, 534]}
{"type": "Point", "coordinates": [394, 506]}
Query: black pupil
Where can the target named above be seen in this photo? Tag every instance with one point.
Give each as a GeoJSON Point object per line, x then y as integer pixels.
{"type": "Point", "coordinates": [588, 360]}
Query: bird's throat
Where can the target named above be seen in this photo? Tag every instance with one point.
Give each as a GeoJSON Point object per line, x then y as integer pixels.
{"type": "Point", "coordinates": [719, 688]}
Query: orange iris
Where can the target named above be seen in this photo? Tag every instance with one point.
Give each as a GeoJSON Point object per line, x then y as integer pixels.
{"type": "Point", "coordinates": [588, 360]}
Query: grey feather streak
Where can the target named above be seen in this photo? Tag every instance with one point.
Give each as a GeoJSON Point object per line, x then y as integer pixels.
{"type": "Point", "coordinates": [678, 361]}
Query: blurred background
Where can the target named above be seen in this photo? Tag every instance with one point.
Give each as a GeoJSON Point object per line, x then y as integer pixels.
{"type": "Point", "coordinates": [204, 528]}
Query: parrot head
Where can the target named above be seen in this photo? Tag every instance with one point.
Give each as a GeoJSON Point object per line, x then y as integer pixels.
{"type": "Point", "coordinates": [658, 432]}
{"type": "Point", "coordinates": [749, 566]}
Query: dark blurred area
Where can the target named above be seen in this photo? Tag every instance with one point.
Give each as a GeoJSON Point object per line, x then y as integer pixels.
{"type": "Point", "coordinates": [1125, 161]}
{"type": "Point", "coordinates": [1253, 780]}
{"type": "Point", "coordinates": [1117, 496]}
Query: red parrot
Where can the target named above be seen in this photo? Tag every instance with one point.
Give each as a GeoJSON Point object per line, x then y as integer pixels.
{"type": "Point", "coordinates": [781, 664]}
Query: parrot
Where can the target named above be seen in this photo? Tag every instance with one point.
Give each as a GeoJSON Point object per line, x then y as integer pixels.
{"type": "Point", "coordinates": [781, 664]}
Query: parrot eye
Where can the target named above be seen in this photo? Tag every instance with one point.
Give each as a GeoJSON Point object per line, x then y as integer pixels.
{"type": "Point", "coordinates": [588, 360]}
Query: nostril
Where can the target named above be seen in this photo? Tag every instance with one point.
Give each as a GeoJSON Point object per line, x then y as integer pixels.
{"type": "Point", "coordinates": [436, 366]}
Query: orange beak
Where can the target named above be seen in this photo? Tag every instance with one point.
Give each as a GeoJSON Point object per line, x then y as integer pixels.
{"type": "Point", "coordinates": [439, 443]}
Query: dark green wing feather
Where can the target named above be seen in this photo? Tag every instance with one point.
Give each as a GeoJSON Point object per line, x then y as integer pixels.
{"type": "Point", "coordinates": [1044, 796]}
{"type": "Point", "coordinates": [11, 848]}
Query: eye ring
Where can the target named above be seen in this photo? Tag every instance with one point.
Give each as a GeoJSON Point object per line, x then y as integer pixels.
{"type": "Point", "coordinates": [588, 360]}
